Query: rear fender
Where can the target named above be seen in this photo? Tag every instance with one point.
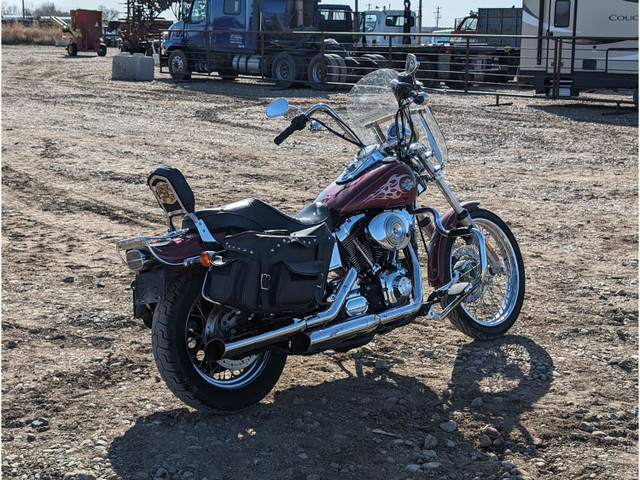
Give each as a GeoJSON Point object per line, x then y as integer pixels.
{"type": "Point", "coordinates": [438, 244]}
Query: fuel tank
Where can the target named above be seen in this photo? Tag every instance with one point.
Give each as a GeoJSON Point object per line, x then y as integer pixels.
{"type": "Point", "coordinates": [387, 185]}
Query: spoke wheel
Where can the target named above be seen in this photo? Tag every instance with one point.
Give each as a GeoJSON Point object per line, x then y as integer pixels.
{"type": "Point", "coordinates": [494, 307]}
{"type": "Point", "coordinates": [226, 373]}
{"type": "Point", "coordinates": [183, 323]}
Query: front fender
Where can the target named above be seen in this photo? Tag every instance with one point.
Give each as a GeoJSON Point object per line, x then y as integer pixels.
{"type": "Point", "coordinates": [438, 244]}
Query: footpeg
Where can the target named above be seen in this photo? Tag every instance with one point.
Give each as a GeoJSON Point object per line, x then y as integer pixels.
{"type": "Point", "coordinates": [457, 289]}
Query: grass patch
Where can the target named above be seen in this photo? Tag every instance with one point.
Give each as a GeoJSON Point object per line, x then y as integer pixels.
{"type": "Point", "coordinates": [15, 33]}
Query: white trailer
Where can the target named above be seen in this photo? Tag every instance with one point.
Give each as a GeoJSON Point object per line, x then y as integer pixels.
{"type": "Point", "coordinates": [580, 45]}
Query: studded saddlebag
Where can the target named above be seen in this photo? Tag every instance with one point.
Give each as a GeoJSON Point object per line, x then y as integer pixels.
{"type": "Point", "coordinates": [272, 271]}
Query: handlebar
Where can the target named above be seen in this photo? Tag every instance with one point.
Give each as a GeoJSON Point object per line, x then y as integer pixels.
{"type": "Point", "coordinates": [298, 123]}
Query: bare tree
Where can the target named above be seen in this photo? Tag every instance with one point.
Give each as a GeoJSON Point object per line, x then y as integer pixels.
{"type": "Point", "coordinates": [109, 14]}
{"type": "Point", "coordinates": [48, 9]}
{"type": "Point", "coordinates": [10, 9]}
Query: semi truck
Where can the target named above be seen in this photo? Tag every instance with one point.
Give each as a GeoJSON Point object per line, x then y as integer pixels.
{"type": "Point", "coordinates": [281, 39]}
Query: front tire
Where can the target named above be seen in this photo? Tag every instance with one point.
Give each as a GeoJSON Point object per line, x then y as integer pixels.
{"type": "Point", "coordinates": [179, 66]}
{"type": "Point", "coordinates": [493, 308]}
{"type": "Point", "coordinates": [182, 324]}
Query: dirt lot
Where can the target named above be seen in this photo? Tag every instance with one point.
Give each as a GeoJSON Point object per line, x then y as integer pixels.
{"type": "Point", "coordinates": [557, 398]}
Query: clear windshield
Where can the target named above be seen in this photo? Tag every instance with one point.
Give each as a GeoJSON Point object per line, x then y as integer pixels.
{"type": "Point", "coordinates": [372, 106]}
{"type": "Point", "coordinates": [370, 100]}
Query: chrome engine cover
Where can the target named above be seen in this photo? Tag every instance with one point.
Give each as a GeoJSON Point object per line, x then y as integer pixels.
{"type": "Point", "coordinates": [391, 230]}
{"type": "Point", "coordinates": [396, 286]}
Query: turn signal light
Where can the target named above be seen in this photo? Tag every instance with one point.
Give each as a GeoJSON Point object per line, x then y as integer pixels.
{"type": "Point", "coordinates": [205, 259]}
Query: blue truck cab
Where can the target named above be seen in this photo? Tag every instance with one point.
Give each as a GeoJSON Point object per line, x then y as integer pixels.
{"type": "Point", "coordinates": [252, 37]}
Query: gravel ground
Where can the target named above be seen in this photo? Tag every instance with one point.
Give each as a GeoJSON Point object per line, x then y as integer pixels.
{"type": "Point", "coordinates": [556, 398]}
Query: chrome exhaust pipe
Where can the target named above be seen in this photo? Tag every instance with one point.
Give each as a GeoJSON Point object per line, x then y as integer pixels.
{"type": "Point", "coordinates": [216, 349]}
{"type": "Point", "coordinates": [323, 338]}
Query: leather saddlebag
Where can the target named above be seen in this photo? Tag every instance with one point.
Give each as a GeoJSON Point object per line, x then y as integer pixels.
{"type": "Point", "coordinates": [273, 271]}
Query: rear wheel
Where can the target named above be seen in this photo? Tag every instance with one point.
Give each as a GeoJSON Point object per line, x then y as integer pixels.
{"type": "Point", "coordinates": [183, 323]}
{"type": "Point", "coordinates": [102, 50]}
{"type": "Point", "coordinates": [287, 70]}
{"type": "Point", "coordinates": [493, 308]}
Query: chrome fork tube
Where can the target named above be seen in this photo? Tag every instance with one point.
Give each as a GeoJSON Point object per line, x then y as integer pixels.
{"type": "Point", "coordinates": [451, 198]}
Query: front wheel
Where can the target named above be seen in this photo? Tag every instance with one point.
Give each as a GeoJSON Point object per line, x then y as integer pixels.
{"type": "Point", "coordinates": [182, 325]}
{"type": "Point", "coordinates": [179, 66]}
{"type": "Point", "coordinates": [494, 306]}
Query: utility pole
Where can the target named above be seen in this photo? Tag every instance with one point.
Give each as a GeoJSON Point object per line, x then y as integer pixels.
{"type": "Point", "coordinates": [420, 19]}
{"type": "Point", "coordinates": [438, 16]}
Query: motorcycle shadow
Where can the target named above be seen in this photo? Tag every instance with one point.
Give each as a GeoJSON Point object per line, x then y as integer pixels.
{"type": "Point", "coordinates": [371, 423]}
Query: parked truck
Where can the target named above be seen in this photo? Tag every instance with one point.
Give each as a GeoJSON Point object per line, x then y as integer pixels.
{"type": "Point", "coordinates": [375, 22]}
{"type": "Point", "coordinates": [281, 39]}
{"type": "Point", "coordinates": [491, 21]}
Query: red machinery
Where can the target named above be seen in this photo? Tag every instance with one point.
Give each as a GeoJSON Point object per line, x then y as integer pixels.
{"type": "Point", "coordinates": [86, 32]}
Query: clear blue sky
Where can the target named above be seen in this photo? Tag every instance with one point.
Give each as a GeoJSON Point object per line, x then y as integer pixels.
{"type": "Point", "coordinates": [449, 10]}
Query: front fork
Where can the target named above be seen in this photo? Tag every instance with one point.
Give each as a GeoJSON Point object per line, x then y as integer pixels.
{"type": "Point", "coordinates": [460, 223]}
{"type": "Point", "coordinates": [464, 218]}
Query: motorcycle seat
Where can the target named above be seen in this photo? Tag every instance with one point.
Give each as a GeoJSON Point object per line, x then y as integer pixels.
{"type": "Point", "coordinates": [253, 214]}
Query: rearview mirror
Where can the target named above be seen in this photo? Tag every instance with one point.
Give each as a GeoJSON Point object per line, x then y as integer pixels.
{"type": "Point", "coordinates": [277, 108]}
{"type": "Point", "coordinates": [411, 64]}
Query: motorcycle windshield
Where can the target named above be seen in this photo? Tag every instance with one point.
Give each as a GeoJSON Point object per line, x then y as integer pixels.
{"type": "Point", "coordinates": [372, 106]}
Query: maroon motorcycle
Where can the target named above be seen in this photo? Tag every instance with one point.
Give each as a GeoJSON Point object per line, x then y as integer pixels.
{"type": "Point", "coordinates": [229, 292]}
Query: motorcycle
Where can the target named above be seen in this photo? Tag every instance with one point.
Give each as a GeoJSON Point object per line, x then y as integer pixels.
{"type": "Point", "coordinates": [230, 292]}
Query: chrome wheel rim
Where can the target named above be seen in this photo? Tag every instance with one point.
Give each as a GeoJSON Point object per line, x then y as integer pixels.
{"type": "Point", "coordinates": [205, 323]}
{"type": "Point", "coordinates": [496, 298]}
{"type": "Point", "coordinates": [177, 64]}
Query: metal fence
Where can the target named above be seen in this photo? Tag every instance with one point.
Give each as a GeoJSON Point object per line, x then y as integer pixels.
{"type": "Point", "coordinates": [556, 66]}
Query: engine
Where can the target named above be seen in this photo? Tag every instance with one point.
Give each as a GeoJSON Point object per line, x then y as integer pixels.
{"type": "Point", "coordinates": [374, 247]}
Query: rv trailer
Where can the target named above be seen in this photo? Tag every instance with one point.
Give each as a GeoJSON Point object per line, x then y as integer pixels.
{"type": "Point", "coordinates": [579, 45]}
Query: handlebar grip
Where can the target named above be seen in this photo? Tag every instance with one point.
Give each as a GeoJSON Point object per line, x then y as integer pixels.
{"type": "Point", "coordinates": [286, 133]}
{"type": "Point", "coordinates": [298, 123]}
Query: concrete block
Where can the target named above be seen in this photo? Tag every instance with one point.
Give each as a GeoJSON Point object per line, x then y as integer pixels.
{"type": "Point", "coordinates": [132, 67]}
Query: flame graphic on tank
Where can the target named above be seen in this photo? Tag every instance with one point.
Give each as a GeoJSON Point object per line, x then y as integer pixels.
{"type": "Point", "coordinates": [390, 190]}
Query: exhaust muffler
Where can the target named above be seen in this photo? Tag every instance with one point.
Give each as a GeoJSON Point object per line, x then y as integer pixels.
{"type": "Point", "coordinates": [216, 349]}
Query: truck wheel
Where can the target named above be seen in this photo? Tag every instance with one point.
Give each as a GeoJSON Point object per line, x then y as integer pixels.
{"type": "Point", "coordinates": [338, 64]}
{"type": "Point", "coordinates": [333, 68]}
{"type": "Point", "coordinates": [72, 49]}
{"type": "Point", "coordinates": [287, 70]}
{"type": "Point", "coordinates": [178, 66]}
{"type": "Point", "coordinates": [102, 50]}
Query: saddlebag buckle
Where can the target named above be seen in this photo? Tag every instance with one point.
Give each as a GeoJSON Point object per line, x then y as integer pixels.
{"type": "Point", "coordinates": [265, 279]}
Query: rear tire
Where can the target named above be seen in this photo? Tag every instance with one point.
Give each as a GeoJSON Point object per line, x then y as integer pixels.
{"type": "Point", "coordinates": [182, 323]}
{"type": "Point", "coordinates": [102, 50]}
{"type": "Point", "coordinates": [491, 310]}
{"type": "Point", "coordinates": [287, 70]}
